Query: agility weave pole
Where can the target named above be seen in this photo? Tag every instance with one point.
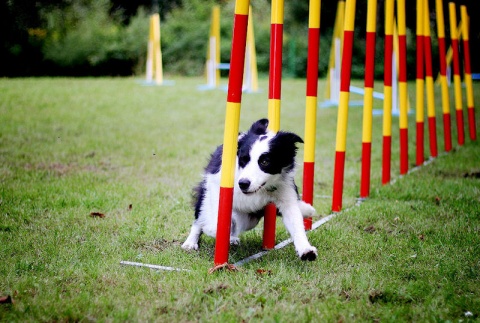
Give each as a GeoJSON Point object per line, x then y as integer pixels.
{"type": "Point", "coordinates": [387, 90]}
{"type": "Point", "coordinates": [368, 99]}
{"type": "Point", "coordinates": [457, 85]}
{"type": "Point", "coordinates": [311, 105]}
{"type": "Point", "coordinates": [232, 118]}
{"type": "Point", "coordinates": [213, 50]}
{"type": "Point", "coordinates": [468, 74]}
{"type": "Point", "coordinates": [402, 86]}
{"type": "Point", "coordinates": [429, 82]}
{"type": "Point", "coordinates": [419, 83]}
{"type": "Point", "coordinates": [341, 139]}
{"type": "Point", "coordinates": [274, 102]}
{"type": "Point", "coordinates": [447, 132]}
{"type": "Point", "coordinates": [154, 70]}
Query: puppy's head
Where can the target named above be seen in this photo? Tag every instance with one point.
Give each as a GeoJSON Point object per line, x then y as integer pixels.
{"type": "Point", "coordinates": [263, 156]}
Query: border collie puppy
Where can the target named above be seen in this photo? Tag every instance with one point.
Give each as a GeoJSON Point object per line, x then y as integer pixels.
{"type": "Point", "coordinates": [265, 170]}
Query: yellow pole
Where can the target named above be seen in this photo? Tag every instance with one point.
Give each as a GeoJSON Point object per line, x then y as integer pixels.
{"type": "Point", "coordinates": [149, 63]}
{"type": "Point", "coordinates": [387, 101]}
{"type": "Point", "coordinates": [442, 76]}
{"type": "Point", "coordinates": [157, 52]}
{"type": "Point", "coordinates": [213, 56]}
{"type": "Point", "coordinates": [402, 86]}
{"type": "Point", "coordinates": [368, 99]}
{"type": "Point", "coordinates": [457, 82]}
{"type": "Point", "coordinates": [342, 119]}
{"type": "Point", "coordinates": [252, 66]}
{"type": "Point", "coordinates": [420, 83]}
{"type": "Point", "coordinates": [337, 34]}
{"type": "Point", "coordinates": [468, 74]}
{"type": "Point", "coordinates": [429, 82]}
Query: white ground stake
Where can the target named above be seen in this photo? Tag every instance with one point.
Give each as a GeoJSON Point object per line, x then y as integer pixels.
{"type": "Point", "coordinates": [157, 267]}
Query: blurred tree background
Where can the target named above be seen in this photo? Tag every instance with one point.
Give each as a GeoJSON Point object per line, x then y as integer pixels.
{"type": "Point", "coordinates": [109, 37]}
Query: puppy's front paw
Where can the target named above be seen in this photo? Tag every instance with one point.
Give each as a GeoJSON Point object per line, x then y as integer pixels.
{"type": "Point", "coordinates": [189, 246]}
{"type": "Point", "coordinates": [309, 254]}
{"type": "Point", "coordinates": [234, 241]}
{"type": "Point", "coordinates": [306, 209]}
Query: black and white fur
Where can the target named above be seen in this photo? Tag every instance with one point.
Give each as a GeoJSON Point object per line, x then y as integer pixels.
{"type": "Point", "coordinates": [265, 171]}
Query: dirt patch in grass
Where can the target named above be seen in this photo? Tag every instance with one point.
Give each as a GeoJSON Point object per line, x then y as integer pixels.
{"type": "Point", "coordinates": [61, 169]}
{"type": "Point", "coordinates": [158, 245]}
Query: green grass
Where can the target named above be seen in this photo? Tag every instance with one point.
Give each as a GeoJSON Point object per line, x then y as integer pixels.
{"type": "Point", "coordinates": [69, 147]}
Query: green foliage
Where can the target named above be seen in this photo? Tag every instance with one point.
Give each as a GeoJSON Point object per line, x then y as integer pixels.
{"type": "Point", "coordinates": [185, 36]}
{"type": "Point", "coordinates": [85, 34]}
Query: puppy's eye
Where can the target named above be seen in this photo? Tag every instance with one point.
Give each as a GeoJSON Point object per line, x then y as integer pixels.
{"type": "Point", "coordinates": [264, 162]}
{"type": "Point", "coordinates": [243, 160]}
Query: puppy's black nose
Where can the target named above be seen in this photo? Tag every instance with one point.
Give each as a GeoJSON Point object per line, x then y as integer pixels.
{"type": "Point", "coordinates": [244, 184]}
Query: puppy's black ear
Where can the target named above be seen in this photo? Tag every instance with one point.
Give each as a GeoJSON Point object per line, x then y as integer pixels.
{"type": "Point", "coordinates": [288, 137]}
{"type": "Point", "coordinates": [259, 127]}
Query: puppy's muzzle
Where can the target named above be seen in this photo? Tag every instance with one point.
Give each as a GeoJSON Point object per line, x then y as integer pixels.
{"type": "Point", "coordinates": [245, 184]}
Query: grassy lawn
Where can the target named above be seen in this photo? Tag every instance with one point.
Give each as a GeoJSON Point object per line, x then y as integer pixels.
{"type": "Point", "coordinates": [70, 147]}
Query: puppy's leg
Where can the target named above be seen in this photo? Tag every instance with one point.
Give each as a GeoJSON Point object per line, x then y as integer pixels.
{"type": "Point", "coordinates": [192, 241]}
{"type": "Point", "coordinates": [235, 229]}
{"type": "Point", "coordinates": [293, 220]}
{"type": "Point", "coordinates": [306, 209]}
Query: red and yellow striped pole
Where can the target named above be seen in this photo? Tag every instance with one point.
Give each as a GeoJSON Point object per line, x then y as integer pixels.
{"type": "Point", "coordinates": [232, 117]}
{"type": "Point", "coordinates": [468, 74]}
{"type": "Point", "coordinates": [402, 86]}
{"type": "Point", "coordinates": [311, 105]}
{"type": "Point", "coordinates": [447, 132]}
{"type": "Point", "coordinates": [419, 99]}
{"type": "Point", "coordinates": [341, 141]}
{"type": "Point", "coordinates": [429, 82]}
{"type": "Point", "coordinates": [387, 101]}
{"type": "Point", "coordinates": [368, 99]}
{"type": "Point", "coordinates": [274, 97]}
{"type": "Point", "coordinates": [457, 83]}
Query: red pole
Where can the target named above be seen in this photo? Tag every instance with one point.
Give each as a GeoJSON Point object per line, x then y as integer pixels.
{"type": "Point", "coordinates": [456, 74]}
{"type": "Point", "coordinates": [274, 96]}
{"type": "Point", "coordinates": [234, 98]}
{"type": "Point", "coordinates": [402, 85]}
{"type": "Point", "coordinates": [432, 124]}
{"type": "Point", "coordinates": [311, 105]}
{"type": "Point", "coordinates": [387, 101]}
{"type": "Point", "coordinates": [468, 74]}
{"type": "Point", "coordinates": [368, 99]}
{"type": "Point", "coordinates": [447, 132]}
{"type": "Point", "coordinates": [420, 156]}
{"type": "Point", "coordinates": [342, 119]}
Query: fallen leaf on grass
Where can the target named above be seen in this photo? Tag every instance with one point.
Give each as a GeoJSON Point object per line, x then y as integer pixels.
{"type": "Point", "coordinates": [421, 237]}
{"type": "Point", "coordinates": [375, 296]}
{"type": "Point", "coordinates": [370, 229]}
{"type": "Point", "coordinates": [211, 290]}
{"type": "Point", "coordinates": [225, 266]}
{"type": "Point", "coordinates": [6, 299]}
{"type": "Point", "coordinates": [345, 294]}
{"type": "Point", "coordinates": [97, 215]}
{"type": "Point", "coordinates": [264, 272]}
